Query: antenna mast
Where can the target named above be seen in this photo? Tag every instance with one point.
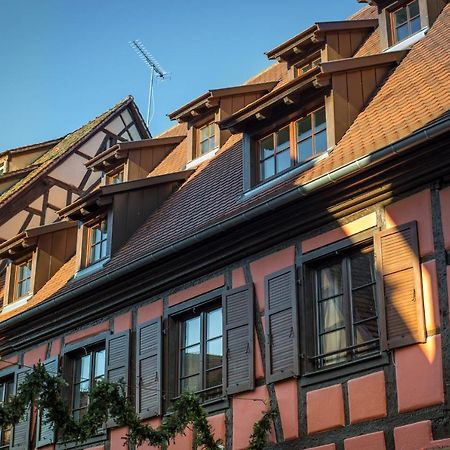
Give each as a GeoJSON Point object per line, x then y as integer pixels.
{"type": "Point", "coordinates": [155, 69]}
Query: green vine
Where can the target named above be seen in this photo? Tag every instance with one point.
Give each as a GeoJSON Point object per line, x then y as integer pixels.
{"type": "Point", "coordinates": [108, 401]}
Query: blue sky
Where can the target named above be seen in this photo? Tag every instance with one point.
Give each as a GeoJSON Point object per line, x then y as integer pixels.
{"type": "Point", "coordinates": [65, 61]}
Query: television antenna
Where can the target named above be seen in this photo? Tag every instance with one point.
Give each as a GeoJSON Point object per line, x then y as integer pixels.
{"type": "Point", "coordinates": [155, 70]}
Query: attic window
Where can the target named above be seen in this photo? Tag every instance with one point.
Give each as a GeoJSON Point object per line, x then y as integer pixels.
{"type": "Point", "coordinates": [3, 167]}
{"type": "Point", "coordinates": [206, 139]}
{"type": "Point", "coordinates": [406, 21]}
{"type": "Point", "coordinates": [97, 242]}
{"type": "Point", "coordinates": [116, 177]}
{"type": "Point", "coordinates": [22, 280]}
{"type": "Point", "coordinates": [307, 67]}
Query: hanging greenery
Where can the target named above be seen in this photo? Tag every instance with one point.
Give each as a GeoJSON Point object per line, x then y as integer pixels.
{"type": "Point", "coordinates": [107, 401]}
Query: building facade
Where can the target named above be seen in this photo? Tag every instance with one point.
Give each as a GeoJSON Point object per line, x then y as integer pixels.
{"type": "Point", "coordinates": [285, 245]}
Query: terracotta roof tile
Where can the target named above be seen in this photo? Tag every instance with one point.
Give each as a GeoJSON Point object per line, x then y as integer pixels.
{"type": "Point", "coordinates": [371, 46]}
{"type": "Point", "coordinates": [175, 161]}
{"type": "Point", "coordinates": [366, 12]}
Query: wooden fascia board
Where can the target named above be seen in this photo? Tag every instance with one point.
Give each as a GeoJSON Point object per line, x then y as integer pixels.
{"type": "Point", "coordinates": [139, 120]}
{"type": "Point", "coordinates": [270, 99]}
{"type": "Point", "coordinates": [363, 62]}
{"type": "Point", "coordinates": [97, 161]}
{"type": "Point", "coordinates": [290, 44]}
{"type": "Point", "coordinates": [346, 25]}
{"type": "Point", "coordinates": [186, 109]}
{"type": "Point", "coordinates": [150, 143]}
{"type": "Point", "coordinates": [72, 211]}
{"type": "Point", "coordinates": [244, 89]}
{"type": "Point", "coordinates": [17, 173]}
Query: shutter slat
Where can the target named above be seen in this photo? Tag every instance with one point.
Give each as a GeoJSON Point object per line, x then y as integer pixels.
{"type": "Point", "coordinates": [45, 431]}
{"type": "Point", "coordinates": [148, 370]}
{"type": "Point", "coordinates": [20, 432]}
{"type": "Point", "coordinates": [281, 325]}
{"type": "Point", "coordinates": [238, 317]}
{"type": "Point", "coordinates": [400, 288]}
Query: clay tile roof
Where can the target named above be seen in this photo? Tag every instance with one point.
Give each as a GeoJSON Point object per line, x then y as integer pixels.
{"type": "Point", "coordinates": [371, 46]}
{"type": "Point", "coordinates": [61, 148]}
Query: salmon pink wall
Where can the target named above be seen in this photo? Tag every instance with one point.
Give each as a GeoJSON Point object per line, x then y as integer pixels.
{"type": "Point", "coordinates": [8, 361]}
{"type": "Point", "coordinates": [414, 436]}
{"type": "Point", "coordinates": [358, 225]}
{"type": "Point", "coordinates": [430, 295]}
{"type": "Point", "coordinates": [372, 441]}
{"type": "Point", "coordinates": [287, 398]}
{"type": "Point", "coordinates": [325, 409]}
{"type": "Point", "coordinates": [217, 423]}
{"type": "Point", "coordinates": [34, 356]}
{"type": "Point", "coordinates": [196, 290]}
{"type": "Point", "coordinates": [367, 397]}
{"type": "Point", "coordinates": [154, 423]}
{"type": "Point", "coordinates": [150, 311]}
{"type": "Point", "coordinates": [259, 368]}
{"type": "Point", "coordinates": [323, 447]}
{"type": "Point", "coordinates": [122, 322]}
{"type": "Point", "coordinates": [183, 441]}
{"type": "Point", "coordinates": [87, 332]}
{"type": "Point", "coordinates": [237, 278]}
{"type": "Point", "coordinates": [56, 347]}
{"type": "Point", "coordinates": [415, 207]}
{"type": "Point", "coordinates": [247, 409]}
{"type": "Point", "coordinates": [419, 375]}
{"type": "Point", "coordinates": [267, 265]}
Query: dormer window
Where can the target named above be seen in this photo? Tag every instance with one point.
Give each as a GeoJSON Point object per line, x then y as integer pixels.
{"type": "Point", "coordinates": [293, 144]}
{"type": "Point", "coordinates": [22, 284]}
{"type": "Point", "coordinates": [406, 21]}
{"type": "Point", "coordinates": [206, 139]}
{"type": "Point", "coordinates": [97, 242]}
{"type": "Point", "coordinates": [307, 67]}
{"type": "Point", "coordinates": [116, 177]}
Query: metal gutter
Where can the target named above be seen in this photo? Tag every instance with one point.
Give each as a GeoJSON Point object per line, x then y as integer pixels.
{"type": "Point", "coordinates": [425, 134]}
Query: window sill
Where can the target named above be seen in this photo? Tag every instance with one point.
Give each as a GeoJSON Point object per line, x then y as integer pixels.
{"type": "Point", "coordinates": [16, 304]}
{"type": "Point", "coordinates": [197, 161]}
{"type": "Point", "coordinates": [92, 268]}
{"type": "Point", "coordinates": [408, 42]}
{"type": "Point", "coordinates": [296, 170]}
{"type": "Point", "coordinates": [352, 367]}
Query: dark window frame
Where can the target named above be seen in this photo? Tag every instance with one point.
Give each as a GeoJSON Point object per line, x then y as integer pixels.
{"type": "Point", "coordinates": [310, 262]}
{"type": "Point", "coordinates": [292, 125]}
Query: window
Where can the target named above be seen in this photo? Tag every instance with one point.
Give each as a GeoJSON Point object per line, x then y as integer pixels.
{"type": "Point", "coordinates": [115, 177]}
{"type": "Point", "coordinates": [6, 393]}
{"type": "Point", "coordinates": [88, 369]}
{"type": "Point", "coordinates": [406, 21]}
{"type": "Point", "coordinates": [3, 167]}
{"type": "Point", "coordinates": [307, 67]}
{"type": "Point", "coordinates": [97, 242]}
{"type": "Point", "coordinates": [22, 285]}
{"type": "Point", "coordinates": [206, 139]}
{"type": "Point", "coordinates": [293, 144]}
{"type": "Point", "coordinates": [200, 354]}
{"type": "Point", "coordinates": [345, 309]}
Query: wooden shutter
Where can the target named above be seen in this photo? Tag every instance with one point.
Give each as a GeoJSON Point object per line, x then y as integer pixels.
{"type": "Point", "coordinates": [21, 431]}
{"type": "Point", "coordinates": [118, 361]}
{"type": "Point", "coordinates": [400, 290]}
{"type": "Point", "coordinates": [46, 431]}
{"type": "Point", "coordinates": [281, 329]}
{"type": "Point", "coordinates": [238, 318]}
{"type": "Point", "coordinates": [148, 370]}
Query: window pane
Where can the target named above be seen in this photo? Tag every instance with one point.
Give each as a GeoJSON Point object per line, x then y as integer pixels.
{"type": "Point", "coordinates": [214, 353]}
{"type": "Point", "coordinates": [213, 378]}
{"type": "Point", "coordinates": [362, 269]}
{"type": "Point", "coordinates": [413, 9]}
{"type": "Point", "coordinates": [304, 128]}
{"type": "Point", "coordinates": [304, 149]}
{"type": "Point", "coordinates": [191, 384]}
{"type": "Point", "coordinates": [214, 323]}
{"type": "Point", "coordinates": [192, 331]}
{"type": "Point", "coordinates": [204, 147]}
{"type": "Point", "coordinates": [84, 368]}
{"type": "Point", "coordinates": [283, 160]}
{"type": "Point", "coordinates": [212, 142]}
{"type": "Point", "coordinates": [415, 25]}
{"type": "Point", "coordinates": [319, 120]}
{"type": "Point", "coordinates": [266, 146]}
{"type": "Point", "coordinates": [331, 342]}
{"type": "Point", "coordinates": [402, 32]}
{"type": "Point", "coordinates": [331, 314]}
{"type": "Point", "coordinates": [330, 281]}
{"type": "Point", "coordinates": [267, 168]}
{"type": "Point", "coordinates": [364, 303]}
{"type": "Point", "coordinates": [283, 138]}
{"type": "Point", "coordinates": [204, 133]}
{"type": "Point", "coordinates": [400, 16]}
{"type": "Point", "coordinates": [190, 360]}
{"type": "Point", "coordinates": [366, 332]}
{"type": "Point", "coordinates": [320, 141]}
{"type": "Point", "coordinates": [100, 364]}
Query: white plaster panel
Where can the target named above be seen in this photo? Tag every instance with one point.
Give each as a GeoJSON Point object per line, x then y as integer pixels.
{"type": "Point", "coordinates": [71, 171]}
{"type": "Point", "coordinates": [92, 145]}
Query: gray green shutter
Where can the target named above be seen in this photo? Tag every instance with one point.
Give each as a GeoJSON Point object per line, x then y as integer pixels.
{"type": "Point", "coordinates": [238, 318]}
{"type": "Point", "coordinates": [281, 325]}
{"type": "Point", "coordinates": [21, 431]}
{"type": "Point", "coordinates": [400, 287]}
{"type": "Point", "coordinates": [118, 361]}
{"type": "Point", "coordinates": [148, 369]}
{"type": "Point", "coordinates": [46, 431]}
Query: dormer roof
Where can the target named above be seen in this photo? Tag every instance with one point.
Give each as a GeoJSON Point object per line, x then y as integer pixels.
{"type": "Point", "coordinates": [210, 99]}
